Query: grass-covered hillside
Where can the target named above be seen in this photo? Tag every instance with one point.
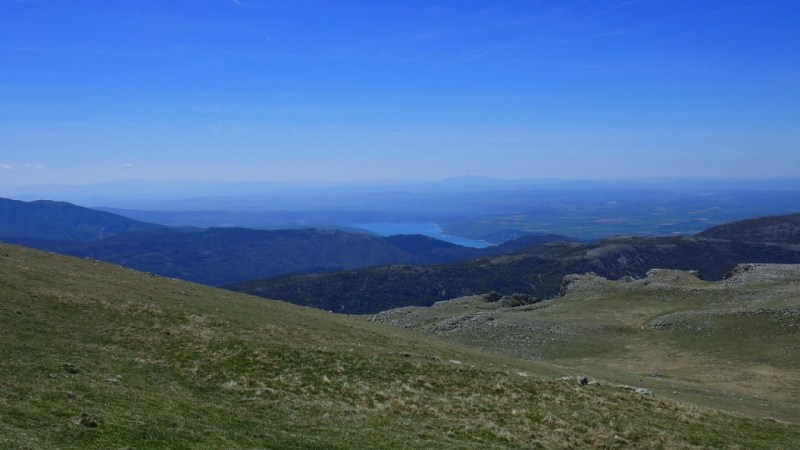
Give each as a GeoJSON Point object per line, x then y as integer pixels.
{"type": "Point", "coordinates": [732, 344]}
{"type": "Point", "coordinates": [97, 356]}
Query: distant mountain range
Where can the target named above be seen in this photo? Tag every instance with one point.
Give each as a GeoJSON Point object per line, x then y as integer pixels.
{"type": "Point", "coordinates": [217, 256]}
{"type": "Point", "coordinates": [475, 208]}
{"type": "Point", "coordinates": [45, 219]}
{"type": "Point", "coordinates": [362, 273]}
{"type": "Point", "coordinates": [538, 270]}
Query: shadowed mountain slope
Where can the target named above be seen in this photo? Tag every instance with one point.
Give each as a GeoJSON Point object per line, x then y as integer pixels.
{"type": "Point", "coordinates": [782, 229]}
{"type": "Point", "coordinates": [535, 271]}
{"type": "Point", "coordinates": [45, 219]}
{"type": "Point", "coordinates": [219, 256]}
{"type": "Point", "coordinates": [224, 255]}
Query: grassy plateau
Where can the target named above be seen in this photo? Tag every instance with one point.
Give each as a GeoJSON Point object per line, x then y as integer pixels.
{"type": "Point", "coordinates": [731, 344]}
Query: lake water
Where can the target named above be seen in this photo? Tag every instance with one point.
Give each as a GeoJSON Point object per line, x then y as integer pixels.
{"type": "Point", "coordinates": [424, 228]}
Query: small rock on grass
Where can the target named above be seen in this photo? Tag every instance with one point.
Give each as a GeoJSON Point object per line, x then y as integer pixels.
{"type": "Point", "coordinates": [581, 380]}
{"type": "Point", "coordinates": [638, 390]}
{"type": "Point", "coordinates": [87, 420]}
{"type": "Point", "coordinates": [644, 391]}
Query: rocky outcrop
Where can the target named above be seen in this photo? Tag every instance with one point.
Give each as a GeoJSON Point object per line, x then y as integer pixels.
{"type": "Point", "coordinates": [575, 283]}
{"type": "Point", "coordinates": [762, 273]}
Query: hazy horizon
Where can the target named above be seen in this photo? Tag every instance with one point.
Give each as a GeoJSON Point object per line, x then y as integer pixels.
{"type": "Point", "coordinates": [181, 189]}
{"type": "Point", "coordinates": [352, 91]}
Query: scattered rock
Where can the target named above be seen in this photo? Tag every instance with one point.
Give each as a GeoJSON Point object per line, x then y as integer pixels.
{"type": "Point", "coordinates": [87, 420]}
{"type": "Point", "coordinates": [492, 297]}
{"type": "Point", "coordinates": [620, 439]}
{"type": "Point", "coordinates": [638, 390]}
{"type": "Point", "coordinates": [405, 354]}
{"type": "Point", "coordinates": [581, 380]}
{"type": "Point", "coordinates": [761, 273]}
{"type": "Point", "coordinates": [71, 368]}
{"type": "Point", "coordinates": [53, 375]}
{"type": "Point", "coordinates": [586, 282]}
{"type": "Point", "coordinates": [739, 269]}
{"type": "Point", "coordinates": [644, 391]}
{"type": "Point", "coordinates": [456, 362]}
{"type": "Point", "coordinates": [512, 301]}
{"type": "Point", "coordinates": [567, 282]}
{"type": "Point", "coordinates": [655, 374]}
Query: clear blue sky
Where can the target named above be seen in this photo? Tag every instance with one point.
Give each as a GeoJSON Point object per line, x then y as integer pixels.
{"type": "Point", "coordinates": [356, 90]}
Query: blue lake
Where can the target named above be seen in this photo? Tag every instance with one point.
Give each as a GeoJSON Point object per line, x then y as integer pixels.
{"type": "Point", "coordinates": [424, 228]}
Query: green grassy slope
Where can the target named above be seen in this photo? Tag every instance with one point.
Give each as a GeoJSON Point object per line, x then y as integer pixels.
{"type": "Point", "coordinates": [97, 356]}
{"type": "Point", "coordinates": [732, 344]}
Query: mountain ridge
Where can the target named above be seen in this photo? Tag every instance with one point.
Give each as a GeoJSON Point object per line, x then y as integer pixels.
{"type": "Point", "coordinates": [220, 255]}
{"type": "Point", "coordinates": [781, 229]}
{"type": "Point", "coordinates": [46, 219]}
{"type": "Point", "coordinates": [536, 271]}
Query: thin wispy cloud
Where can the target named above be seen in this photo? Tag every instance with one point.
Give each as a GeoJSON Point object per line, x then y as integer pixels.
{"type": "Point", "coordinates": [472, 56]}
{"type": "Point", "coordinates": [6, 166]}
{"type": "Point", "coordinates": [34, 166]}
{"type": "Point", "coordinates": [621, 5]}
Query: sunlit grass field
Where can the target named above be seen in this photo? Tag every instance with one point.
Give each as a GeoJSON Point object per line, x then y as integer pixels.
{"type": "Point", "coordinates": [97, 356]}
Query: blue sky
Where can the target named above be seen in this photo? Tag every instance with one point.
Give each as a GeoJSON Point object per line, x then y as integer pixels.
{"type": "Point", "coordinates": [94, 91]}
